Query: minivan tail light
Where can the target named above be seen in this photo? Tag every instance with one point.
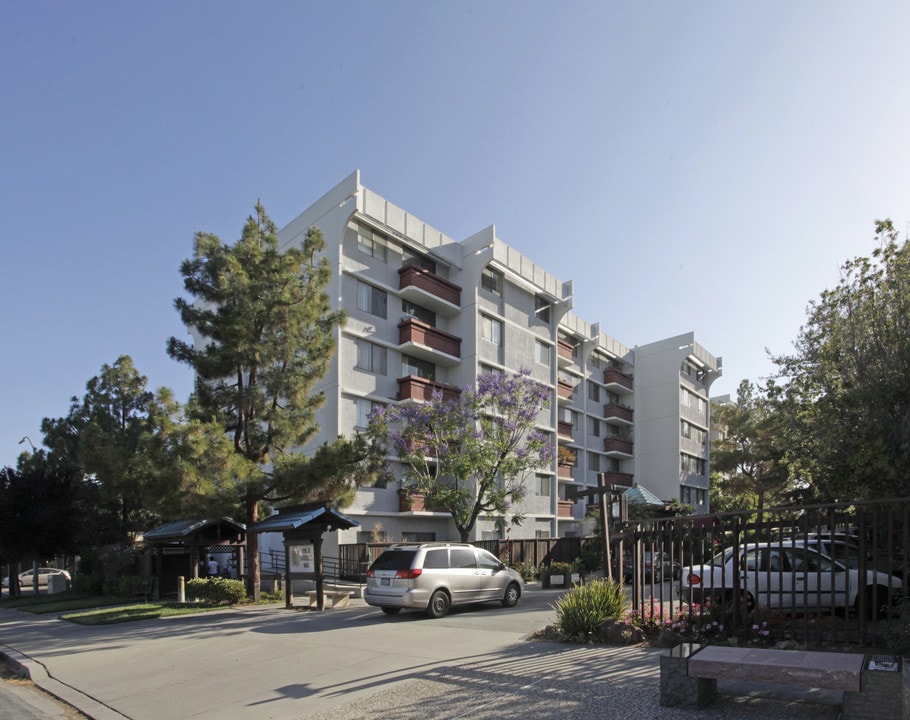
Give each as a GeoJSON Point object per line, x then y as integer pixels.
{"type": "Point", "coordinates": [408, 574]}
{"type": "Point", "coordinates": [693, 579]}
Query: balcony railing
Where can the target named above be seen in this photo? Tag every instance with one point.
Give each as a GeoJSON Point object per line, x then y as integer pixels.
{"type": "Point", "coordinates": [617, 479]}
{"type": "Point", "coordinates": [617, 446]}
{"type": "Point", "coordinates": [564, 429]}
{"type": "Point", "coordinates": [412, 387]}
{"type": "Point", "coordinates": [617, 381]}
{"type": "Point", "coordinates": [429, 289]}
{"type": "Point", "coordinates": [564, 471]}
{"type": "Point", "coordinates": [618, 414]}
{"type": "Point", "coordinates": [564, 390]}
{"type": "Point", "coordinates": [564, 350]}
{"type": "Point", "coordinates": [564, 508]}
{"type": "Point", "coordinates": [423, 340]}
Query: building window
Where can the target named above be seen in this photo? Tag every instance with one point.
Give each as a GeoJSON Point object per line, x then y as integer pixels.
{"type": "Point", "coordinates": [543, 485]}
{"type": "Point", "coordinates": [409, 257]}
{"type": "Point", "coordinates": [371, 357]}
{"type": "Point", "coordinates": [491, 280]}
{"type": "Point", "coordinates": [491, 329]}
{"type": "Point", "coordinates": [490, 370]}
{"type": "Point", "coordinates": [686, 429]}
{"type": "Point", "coordinates": [542, 353]}
{"type": "Point", "coordinates": [595, 426]}
{"type": "Point", "coordinates": [542, 308]}
{"type": "Point", "coordinates": [690, 464]}
{"type": "Point", "coordinates": [412, 310]}
{"type": "Point", "coordinates": [371, 299]}
{"type": "Point", "coordinates": [372, 244]}
{"type": "Point", "coordinates": [364, 408]}
{"type": "Point", "coordinates": [420, 368]}
{"type": "Point", "coordinates": [593, 391]}
{"type": "Point", "coordinates": [593, 462]}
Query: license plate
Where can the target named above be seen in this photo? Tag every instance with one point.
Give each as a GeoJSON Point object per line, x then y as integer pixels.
{"type": "Point", "coordinates": [385, 581]}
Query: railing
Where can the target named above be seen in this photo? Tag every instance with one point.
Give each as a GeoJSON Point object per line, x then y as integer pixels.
{"type": "Point", "coordinates": [822, 573]}
{"type": "Point", "coordinates": [333, 568]}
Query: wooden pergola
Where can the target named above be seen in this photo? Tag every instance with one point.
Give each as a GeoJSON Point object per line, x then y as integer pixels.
{"type": "Point", "coordinates": [180, 548]}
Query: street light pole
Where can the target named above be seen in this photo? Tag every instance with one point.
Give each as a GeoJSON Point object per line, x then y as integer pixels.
{"type": "Point", "coordinates": [26, 437]}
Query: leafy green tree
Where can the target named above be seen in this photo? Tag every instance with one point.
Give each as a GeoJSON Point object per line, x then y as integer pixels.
{"type": "Point", "coordinates": [471, 455]}
{"type": "Point", "coordinates": [269, 335]}
{"type": "Point", "coordinates": [747, 456]}
{"type": "Point", "coordinates": [110, 438]}
{"type": "Point", "coordinates": [39, 516]}
{"type": "Point", "coordinates": [844, 394]}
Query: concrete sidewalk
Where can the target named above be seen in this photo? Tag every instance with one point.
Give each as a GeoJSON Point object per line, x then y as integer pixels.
{"type": "Point", "coordinates": [354, 663]}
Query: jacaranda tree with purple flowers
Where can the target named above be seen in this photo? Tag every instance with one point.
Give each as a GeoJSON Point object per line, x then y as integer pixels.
{"type": "Point", "coordinates": [470, 456]}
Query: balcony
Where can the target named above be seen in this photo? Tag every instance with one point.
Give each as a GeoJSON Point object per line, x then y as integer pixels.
{"type": "Point", "coordinates": [564, 471]}
{"type": "Point", "coordinates": [617, 447]}
{"type": "Point", "coordinates": [617, 414]}
{"type": "Point", "coordinates": [565, 429]}
{"type": "Point", "coordinates": [564, 352]}
{"type": "Point", "coordinates": [421, 340]}
{"type": "Point", "coordinates": [564, 508]}
{"type": "Point", "coordinates": [616, 479]}
{"type": "Point", "coordinates": [420, 389]}
{"type": "Point", "coordinates": [564, 390]}
{"type": "Point", "coordinates": [618, 382]}
{"type": "Point", "coordinates": [429, 290]}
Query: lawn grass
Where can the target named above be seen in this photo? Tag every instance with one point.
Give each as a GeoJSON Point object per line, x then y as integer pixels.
{"type": "Point", "coordinates": [61, 602]}
{"type": "Point", "coordinates": [107, 610]}
{"type": "Point", "coordinates": [131, 613]}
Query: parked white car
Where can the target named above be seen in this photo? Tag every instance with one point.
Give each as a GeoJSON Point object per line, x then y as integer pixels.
{"type": "Point", "coordinates": [27, 578]}
{"type": "Point", "coordinates": [788, 575]}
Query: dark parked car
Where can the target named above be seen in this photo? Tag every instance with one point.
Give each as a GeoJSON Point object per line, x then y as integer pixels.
{"type": "Point", "coordinates": [656, 567]}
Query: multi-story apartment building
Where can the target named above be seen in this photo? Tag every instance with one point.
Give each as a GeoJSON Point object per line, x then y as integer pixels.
{"type": "Point", "coordinates": [428, 312]}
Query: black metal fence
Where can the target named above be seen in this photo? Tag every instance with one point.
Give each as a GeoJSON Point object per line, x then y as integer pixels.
{"type": "Point", "coordinates": [815, 573]}
{"type": "Point", "coordinates": [831, 573]}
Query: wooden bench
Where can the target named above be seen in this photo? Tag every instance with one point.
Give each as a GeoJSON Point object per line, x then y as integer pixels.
{"type": "Point", "coordinates": [873, 686]}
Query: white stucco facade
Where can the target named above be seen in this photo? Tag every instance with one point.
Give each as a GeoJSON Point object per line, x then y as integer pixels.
{"type": "Point", "coordinates": [475, 305]}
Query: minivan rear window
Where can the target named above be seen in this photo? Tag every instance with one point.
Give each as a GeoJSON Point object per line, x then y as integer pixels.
{"type": "Point", "coordinates": [394, 560]}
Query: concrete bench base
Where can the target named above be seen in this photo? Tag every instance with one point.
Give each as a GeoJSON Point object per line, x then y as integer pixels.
{"type": "Point", "coordinates": [333, 599]}
{"type": "Point", "coordinates": [872, 689]}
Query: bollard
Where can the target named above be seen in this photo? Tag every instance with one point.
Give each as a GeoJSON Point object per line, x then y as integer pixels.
{"type": "Point", "coordinates": [181, 589]}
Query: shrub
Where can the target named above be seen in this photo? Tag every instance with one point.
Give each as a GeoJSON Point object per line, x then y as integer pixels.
{"type": "Point", "coordinates": [216, 591]}
{"type": "Point", "coordinates": [581, 611]}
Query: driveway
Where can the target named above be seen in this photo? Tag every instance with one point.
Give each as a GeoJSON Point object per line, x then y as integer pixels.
{"type": "Point", "coordinates": [354, 663]}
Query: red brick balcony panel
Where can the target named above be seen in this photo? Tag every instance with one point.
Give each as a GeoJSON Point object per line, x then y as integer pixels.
{"type": "Point", "coordinates": [413, 276]}
{"type": "Point", "coordinates": [618, 446]}
{"type": "Point", "coordinates": [417, 388]}
{"type": "Point", "coordinates": [413, 330]}
{"type": "Point", "coordinates": [615, 411]}
{"type": "Point", "coordinates": [618, 381]}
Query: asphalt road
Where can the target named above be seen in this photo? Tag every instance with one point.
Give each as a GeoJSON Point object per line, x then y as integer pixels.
{"type": "Point", "coordinates": [355, 664]}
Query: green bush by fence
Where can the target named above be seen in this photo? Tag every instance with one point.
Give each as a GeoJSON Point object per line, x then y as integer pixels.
{"type": "Point", "coordinates": [216, 591]}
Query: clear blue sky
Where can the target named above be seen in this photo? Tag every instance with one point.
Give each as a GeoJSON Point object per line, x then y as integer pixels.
{"type": "Point", "coordinates": [701, 166]}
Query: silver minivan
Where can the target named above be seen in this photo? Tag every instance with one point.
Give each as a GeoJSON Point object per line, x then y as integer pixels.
{"type": "Point", "coordinates": [435, 576]}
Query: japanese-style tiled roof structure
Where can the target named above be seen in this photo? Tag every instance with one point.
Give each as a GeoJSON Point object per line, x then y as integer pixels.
{"type": "Point", "coordinates": [182, 530]}
{"type": "Point", "coordinates": [297, 516]}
